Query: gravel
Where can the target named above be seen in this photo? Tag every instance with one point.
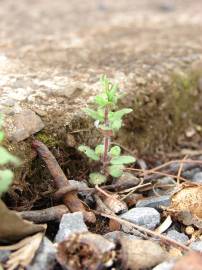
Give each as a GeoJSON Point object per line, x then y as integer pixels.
{"type": "Point", "coordinates": [197, 177]}
{"type": "Point", "coordinates": [154, 202]}
{"type": "Point", "coordinates": [197, 245]}
{"type": "Point", "coordinates": [177, 236]}
{"type": "Point", "coordinates": [145, 216]}
{"type": "Point", "coordinates": [70, 223]}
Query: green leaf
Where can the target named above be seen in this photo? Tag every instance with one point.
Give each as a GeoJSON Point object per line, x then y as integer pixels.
{"type": "Point", "coordinates": [97, 115]}
{"type": "Point", "coordinates": [116, 170]}
{"type": "Point", "coordinates": [6, 177]}
{"type": "Point", "coordinates": [88, 152]}
{"type": "Point", "coordinates": [116, 125]}
{"type": "Point", "coordinates": [112, 93]}
{"type": "Point", "coordinates": [101, 101]}
{"type": "Point", "coordinates": [119, 114]}
{"type": "Point", "coordinates": [122, 160]}
{"type": "Point", "coordinates": [115, 151]}
{"type": "Point", "coordinates": [1, 136]}
{"type": "Point", "coordinates": [99, 150]}
{"type": "Point", "coordinates": [105, 83]}
{"type": "Point", "coordinates": [97, 179]}
{"type": "Point", "coordinates": [6, 157]}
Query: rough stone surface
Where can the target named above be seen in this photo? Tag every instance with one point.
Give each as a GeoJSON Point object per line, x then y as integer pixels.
{"type": "Point", "coordinates": [45, 257]}
{"type": "Point", "coordinates": [165, 266]}
{"type": "Point", "coordinates": [197, 245]}
{"type": "Point", "coordinates": [26, 123]}
{"type": "Point", "coordinates": [197, 177]}
{"type": "Point", "coordinates": [70, 223]}
{"type": "Point", "coordinates": [154, 202]}
{"type": "Point", "coordinates": [145, 216]}
{"type": "Point", "coordinates": [179, 237]}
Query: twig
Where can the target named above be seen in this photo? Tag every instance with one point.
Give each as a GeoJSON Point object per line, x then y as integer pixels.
{"type": "Point", "coordinates": [102, 191]}
{"type": "Point", "coordinates": [180, 170]}
{"type": "Point", "coordinates": [70, 199]}
{"type": "Point", "coordinates": [45, 215]}
{"type": "Point", "coordinates": [133, 190]}
{"type": "Point", "coordinates": [151, 177]}
{"type": "Point", "coordinates": [163, 238]}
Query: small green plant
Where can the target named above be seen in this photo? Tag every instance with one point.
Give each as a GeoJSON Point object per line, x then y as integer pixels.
{"type": "Point", "coordinates": [6, 175]}
{"type": "Point", "coordinates": [108, 121]}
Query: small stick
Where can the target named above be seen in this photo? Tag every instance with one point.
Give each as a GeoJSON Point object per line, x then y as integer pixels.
{"type": "Point", "coordinates": [70, 199]}
{"type": "Point", "coordinates": [163, 238]}
{"type": "Point", "coordinates": [45, 215]}
{"type": "Point", "coordinates": [102, 191]}
{"type": "Point", "coordinates": [180, 170]}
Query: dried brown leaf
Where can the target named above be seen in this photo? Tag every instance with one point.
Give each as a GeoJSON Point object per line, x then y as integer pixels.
{"type": "Point", "coordinates": [13, 227]}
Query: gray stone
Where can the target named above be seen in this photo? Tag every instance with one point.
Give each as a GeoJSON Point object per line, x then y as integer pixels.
{"type": "Point", "coordinates": [165, 266]}
{"type": "Point", "coordinates": [197, 245]}
{"type": "Point", "coordinates": [167, 180]}
{"type": "Point", "coordinates": [145, 216]}
{"type": "Point", "coordinates": [179, 237]}
{"type": "Point", "coordinates": [154, 202]}
{"type": "Point", "coordinates": [116, 235]}
{"type": "Point", "coordinates": [197, 177]}
{"type": "Point", "coordinates": [26, 123]}
{"type": "Point", "coordinates": [189, 174]}
{"type": "Point", "coordinates": [70, 223]}
{"type": "Point", "coordinates": [45, 257]}
{"type": "Point", "coordinates": [128, 178]}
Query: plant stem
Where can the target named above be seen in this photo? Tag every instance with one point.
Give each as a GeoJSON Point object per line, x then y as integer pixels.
{"type": "Point", "coordinates": [106, 141]}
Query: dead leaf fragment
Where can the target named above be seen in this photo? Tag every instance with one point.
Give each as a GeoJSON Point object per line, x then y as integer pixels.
{"type": "Point", "coordinates": [23, 256]}
{"type": "Point", "coordinates": [141, 254]}
{"type": "Point", "coordinates": [13, 227]}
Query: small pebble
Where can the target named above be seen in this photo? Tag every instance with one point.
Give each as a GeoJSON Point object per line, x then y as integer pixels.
{"type": "Point", "coordinates": [70, 223]}
{"type": "Point", "coordinates": [128, 178]}
{"type": "Point", "coordinates": [196, 245]}
{"type": "Point", "coordinates": [197, 177]}
{"type": "Point", "coordinates": [145, 216]}
{"type": "Point", "coordinates": [154, 202]}
{"type": "Point", "coordinates": [179, 237]}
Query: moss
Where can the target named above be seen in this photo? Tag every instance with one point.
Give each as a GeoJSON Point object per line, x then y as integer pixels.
{"type": "Point", "coordinates": [48, 139]}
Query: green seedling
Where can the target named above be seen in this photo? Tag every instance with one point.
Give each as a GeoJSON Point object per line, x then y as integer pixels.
{"type": "Point", "coordinates": [108, 121]}
{"type": "Point", "coordinates": [6, 175]}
